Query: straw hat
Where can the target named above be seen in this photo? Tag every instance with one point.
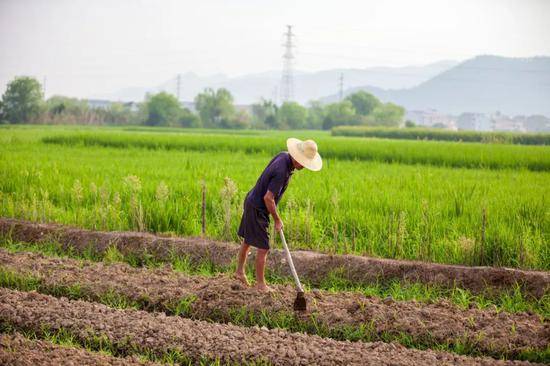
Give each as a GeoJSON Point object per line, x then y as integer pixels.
{"type": "Point", "coordinates": [305, 153]}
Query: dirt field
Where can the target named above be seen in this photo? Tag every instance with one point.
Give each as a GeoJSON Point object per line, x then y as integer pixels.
{"type": "Point", "coordinates": [16, 350]}
{"type": "Point", "coordinates": [134, 330]}
{"type": "Point", "coordinates": [311, 266]}
{"type": "Point", "coordinates": [489, 332]}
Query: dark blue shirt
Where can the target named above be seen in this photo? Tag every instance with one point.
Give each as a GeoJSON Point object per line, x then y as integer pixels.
{"type": "Point", "coordinates": [274, 178]}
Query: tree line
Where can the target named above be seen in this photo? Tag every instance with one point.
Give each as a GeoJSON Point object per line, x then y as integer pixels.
{"type": "Point", "coordinates": [23, 102]}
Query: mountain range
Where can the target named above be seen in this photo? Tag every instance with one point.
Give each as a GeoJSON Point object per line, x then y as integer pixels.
{"type": "Point", "coordinates": [484, 84]}
{"type": "Point", "coordinates": [250, 88]}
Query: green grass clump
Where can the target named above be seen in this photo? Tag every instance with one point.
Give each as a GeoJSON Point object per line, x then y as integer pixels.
{"type": "Point", "coordinates": [421, 133]}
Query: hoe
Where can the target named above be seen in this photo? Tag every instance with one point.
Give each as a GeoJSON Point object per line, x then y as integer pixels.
{"type": "Point", "coordinates": [300, 303]}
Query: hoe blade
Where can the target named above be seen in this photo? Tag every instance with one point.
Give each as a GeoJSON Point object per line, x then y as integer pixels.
{"type": "Point", "coordinates": [300, 303]}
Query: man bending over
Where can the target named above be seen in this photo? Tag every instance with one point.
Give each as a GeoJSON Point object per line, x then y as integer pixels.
{"type": "Point", "coordinates": [261, 201]}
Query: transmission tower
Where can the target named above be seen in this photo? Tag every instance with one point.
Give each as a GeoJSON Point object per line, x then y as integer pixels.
{"type": "Point", "coordinates": [287, 81]}
{"type": "Point", "coordinates": [178, 87]}
{"type": "Point", "coordinates": [341, 86]}
{"type": "Point", "coordinates": [44, 87]}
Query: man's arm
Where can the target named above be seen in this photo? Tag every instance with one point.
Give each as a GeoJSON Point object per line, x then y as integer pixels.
{"type": "Point", "coordinates": [269, 200]}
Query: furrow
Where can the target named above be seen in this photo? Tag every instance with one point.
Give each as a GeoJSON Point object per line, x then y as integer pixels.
{"type": "Point", "coordinates": [337, 315]}
{"type": "Point", "coordinates": [131, 330]}
{"type": "Point", "coordinates": [16, 350]}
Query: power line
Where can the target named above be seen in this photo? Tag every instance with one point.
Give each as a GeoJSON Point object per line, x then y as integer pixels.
{"type": "Point", "coordinates": [287, 80]}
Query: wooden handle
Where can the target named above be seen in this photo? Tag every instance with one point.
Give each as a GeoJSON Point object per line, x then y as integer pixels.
{"type": "Point", "coordinates": [291, 263]}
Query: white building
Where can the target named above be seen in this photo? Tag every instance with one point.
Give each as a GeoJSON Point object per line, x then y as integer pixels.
{"type": "Point", "coordinates": [431, 118]}
{"type": "Point", "coordinates": [474, 122]}
{"type": "Point", "coordinates": [504, 123]}
{"type": "Point", "coordinates": [98, 103]}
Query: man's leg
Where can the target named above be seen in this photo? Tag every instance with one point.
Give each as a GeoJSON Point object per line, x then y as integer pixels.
{"type": "Point", "coordinates": [261, 256]}
{"type": "Point", "coordinates": [241, 262]}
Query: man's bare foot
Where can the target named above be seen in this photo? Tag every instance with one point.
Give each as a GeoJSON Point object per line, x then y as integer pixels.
{"type": "Point", "coordinates": [262, 287]}
{"type": "Point", "coordinates": [242, 278]}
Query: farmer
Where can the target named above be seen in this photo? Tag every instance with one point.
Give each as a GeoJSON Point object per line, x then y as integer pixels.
{"type": "Point", "coordinates": [262, 200]}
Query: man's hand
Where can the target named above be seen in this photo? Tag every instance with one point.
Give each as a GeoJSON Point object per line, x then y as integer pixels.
{"type": "Point", "coordinates": [272, 208]}
{"type": "Point", "coordinates": [278, 225]}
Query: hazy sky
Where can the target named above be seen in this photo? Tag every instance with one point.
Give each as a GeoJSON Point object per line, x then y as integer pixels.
{"type": "Point", "coordinates": [89, 47]}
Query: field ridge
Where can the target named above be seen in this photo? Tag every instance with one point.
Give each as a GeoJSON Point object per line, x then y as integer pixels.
{"type": "Point", "coordinates": [311, 265]}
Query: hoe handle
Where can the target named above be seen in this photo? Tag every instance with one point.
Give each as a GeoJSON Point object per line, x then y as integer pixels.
{"type": "Point", "coordinates": [291, 263]}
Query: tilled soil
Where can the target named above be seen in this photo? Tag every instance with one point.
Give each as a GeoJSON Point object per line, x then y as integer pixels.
{"type": "Point", "coordinates": [134, 329]}
{"type": "Point", "coordinates": [16, 350]}
{"type": "Point", "coordinates": [311, 265]}
{"type": "Point", "coordinates": [215, 297]}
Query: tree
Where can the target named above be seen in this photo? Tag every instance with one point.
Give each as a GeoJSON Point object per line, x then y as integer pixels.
{"type": "Point", "coordinates": [23, 100]}
{"type": "Point", "coordinates": [119, 113]}
{"type": "Point", "coordinates": [189, 119]}
{"type": "Point", "coordinates": [241, 120]}
{"type": "Point", "coordinates": [291, 115]}
{"type": "Point", "coordinates": [163, 109]}
{"type": "Point", "coordinates": [215, 108]}
{"type": "Point", "coordinates": [409, 124]}
{"type": "Point", "coordinates": [264, 114]}
{"type": "Point", "coordinates": [60, 109]}
{"type": "Point", "coordinates": [341, 113]}
{"type": "Point", "coordinates": [2, 119]}
{"type": "Point", "coordinates": [363, 102]}
{"type": "Point", "coordinates": [315, 115]}
{"type": "Point", "coordinates": [388, 114]}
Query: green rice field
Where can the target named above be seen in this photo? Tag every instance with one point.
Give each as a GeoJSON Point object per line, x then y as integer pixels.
{"type": "Point", "coordinates": [448, 202]}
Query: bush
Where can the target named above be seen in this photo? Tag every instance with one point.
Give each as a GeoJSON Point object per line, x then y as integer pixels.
{"type": "Point", "coordinates": [416, 133]}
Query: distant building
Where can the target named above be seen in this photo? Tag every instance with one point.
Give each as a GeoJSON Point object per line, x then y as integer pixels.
{"type": "Point", "coordinates": [474, 122]}
{"type": "Point", "coordinates": [504, 123]}
{"type": "Point", "coordinates": [536, 123]}
{"type": "Point", "coordinates": [98, 103]}
{"type": "Point", "coordinates": [133, 106]}
{"type": "Point", "coordinates": [431, 118]}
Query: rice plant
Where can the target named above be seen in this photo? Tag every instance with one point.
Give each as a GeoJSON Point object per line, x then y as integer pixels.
{"type": "Point", "coordinates": [494, 214]}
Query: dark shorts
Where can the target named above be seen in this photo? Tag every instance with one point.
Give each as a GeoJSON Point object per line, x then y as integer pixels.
{"type": "Point", "coordinates": [254, 226]}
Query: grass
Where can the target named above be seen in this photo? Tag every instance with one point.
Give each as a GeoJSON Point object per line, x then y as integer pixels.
{"type": "Point", "coordinates": [450, 154]}
{"type": "Point", "coordinates": [445, 214]}
{"type": "Point", "coordinates": [421, 133]}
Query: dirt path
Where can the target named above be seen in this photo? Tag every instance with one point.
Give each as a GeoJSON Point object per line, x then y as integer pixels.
{"type": "Point", "coordinates": [487, 331]}
{"type": "Point", "coordinates": [131, 329]}
{"type": "Point", "coordinates": [16, 350]}
{"type": "Point", "coordinates": [311, 265]}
